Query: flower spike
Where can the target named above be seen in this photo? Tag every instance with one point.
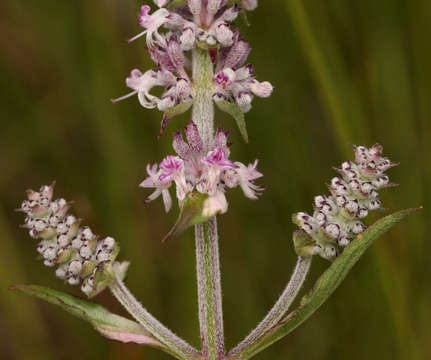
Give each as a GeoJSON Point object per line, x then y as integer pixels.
{"type": "Point", "coordinates": [193, 170]}
{"type": "Point", "coordinates": [176, 28]}
{"type": "Point", "coordinates": [80, 256]}
{"type": "Point", "coordinates": [337, 217]}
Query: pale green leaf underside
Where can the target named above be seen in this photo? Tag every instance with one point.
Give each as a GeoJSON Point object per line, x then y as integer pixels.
{"type": "Point", "coordinates": [326, 284]}
{"type": "Point", "coordinates": [112, 326]}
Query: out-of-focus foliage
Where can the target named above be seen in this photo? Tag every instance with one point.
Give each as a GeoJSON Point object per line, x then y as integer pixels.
{"type": "Point", "coordinates": [344, 71]}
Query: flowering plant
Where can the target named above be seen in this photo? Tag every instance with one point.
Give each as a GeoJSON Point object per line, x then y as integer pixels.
{"type": "Point", "coordinates": [201, 63]}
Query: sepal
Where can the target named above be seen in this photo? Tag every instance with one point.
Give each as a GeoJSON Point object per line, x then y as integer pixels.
{"type": "Point", "coordinates": [303, 243]}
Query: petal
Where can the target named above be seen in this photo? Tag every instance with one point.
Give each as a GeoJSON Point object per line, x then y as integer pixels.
{"type": "Point", "coordinates": [193, 137]}
{"type": "Point", "coordinates": [180, 146]}
{"type": "Point", "coordinates": [147, 183]}
{"type": "Point", "coordinates": [154, 195]}
{"type": "Point", "coordinates": [167, 200]}
{"type": "Point", "coordinates": [216, 204]}
{"type": "Point", "coordinates": [147, 101]}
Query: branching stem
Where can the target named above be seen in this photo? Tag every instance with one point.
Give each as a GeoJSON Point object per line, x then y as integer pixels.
{"type": "Point", "coordinates": [281, 306]}
{"type": "Point", "coordinates": [178, 346]}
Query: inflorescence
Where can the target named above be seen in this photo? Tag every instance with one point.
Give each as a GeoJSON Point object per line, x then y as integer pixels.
{"type": "Point", "coordinates": [186, 26]}
{"type": "Point", "coordinates": [80, 256]}
{"type": "Point", "coordinates": [337, 218]}
{"type": "Point", "coordinates": [208, 173]}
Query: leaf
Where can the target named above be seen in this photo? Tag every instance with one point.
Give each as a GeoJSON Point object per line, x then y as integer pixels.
{"type": "Point", "coordinates": [326, 284]}
{"type": "Point", "coordinates": [235, 111]}
{"type": "Point", "coordinates": [172, 112]}
{"type": "Point", "coordinates": [190, 214]}
{"type": "Point", "coordinates": [176, 3]}
{"type": "Point", "coordinates": [112, 326]}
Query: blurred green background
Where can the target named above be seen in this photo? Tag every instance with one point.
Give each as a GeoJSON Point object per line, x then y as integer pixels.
{"type": "Point", "coordinates": [344, 72]}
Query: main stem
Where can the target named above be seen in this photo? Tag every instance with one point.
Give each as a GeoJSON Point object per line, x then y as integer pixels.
{"type": "Point", "coordinates": [203, 105]}
{"type": "Point", "coordinates": [207, 252]}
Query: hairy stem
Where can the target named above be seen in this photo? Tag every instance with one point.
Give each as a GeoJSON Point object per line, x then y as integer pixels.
{"type": "Point", "coordinates": [178, 346]}
{"type": "Point", "coordinates": [207, 252]}
{"type": "Point", "coordinates": [281, 306]}
{"type": "Point", "coordinates": [203, 106]}
{"type": "Point", "coordinates": [209, 290]}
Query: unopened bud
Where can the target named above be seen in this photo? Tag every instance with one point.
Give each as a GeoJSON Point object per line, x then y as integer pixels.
{"type": "Point", "coordinates": [75, 250]}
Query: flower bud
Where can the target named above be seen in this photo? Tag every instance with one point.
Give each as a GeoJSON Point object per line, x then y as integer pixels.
{"type": "Point", "coordinates": [75, 250]}
{"type": "Point", "coordinates": [249, 5]}
{"type": "Point", "coordinates": [336, 219]}
{"type": "Point", "coordinates": [224, 34]}
{"type": "Point", "coordinates": [187, 38]}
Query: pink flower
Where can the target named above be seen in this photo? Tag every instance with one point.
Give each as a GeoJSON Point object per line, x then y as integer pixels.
{"type": "Point", "coordinates": [246, 176]}
{"type": "Point", "coordinates": [152, 23]}
{"type": "Point", "coordinates": [153, 181]}
{"type": "Point", "coordinates": [178, 89]}
{"type": "Point", "coordinates": [236, 83]}
{"type": "Point", "coordinates": [208, 173]}
{"type": "Point", "coordinates": [216, 162]}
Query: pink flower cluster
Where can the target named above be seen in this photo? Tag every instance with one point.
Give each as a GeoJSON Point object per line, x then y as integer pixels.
{"type": "Point", "coordinates": [234, 81]}
{"type": "Point", "coordinates": [172, 31]}
{"type": "Point", "coordinates": [208, 173]}
{"type": "Point", "coordinates": [337, 218]}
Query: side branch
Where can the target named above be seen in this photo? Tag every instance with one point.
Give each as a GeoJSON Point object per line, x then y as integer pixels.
{"type": "Point", "coordinates": [178, 346]}
{"type": "Point", "coordinates": [281, 306]}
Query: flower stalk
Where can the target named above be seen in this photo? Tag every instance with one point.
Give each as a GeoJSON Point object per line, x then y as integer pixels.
{"type": "Point", "coordinates": [206, 235]}
{"type": "Point", "coordinates": [178, 346]}
{"type": "Point", "coordinates": [279, 309]}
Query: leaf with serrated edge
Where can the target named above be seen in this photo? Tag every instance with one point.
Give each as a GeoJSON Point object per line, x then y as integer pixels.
{"type": "Point", "coordinates": [112, 326]}
{"type": "Point", "coordinates": [325, 285]}
{"type": "Point", "coordinates": [235, 111]}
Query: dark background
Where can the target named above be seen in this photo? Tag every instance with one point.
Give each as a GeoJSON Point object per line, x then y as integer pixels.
{"type": "Point", "coordinates": [344, 72]}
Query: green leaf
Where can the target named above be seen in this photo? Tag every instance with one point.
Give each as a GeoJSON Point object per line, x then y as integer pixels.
{"type": "Point", "coordinates": [191, 213]}
{"type": "Point", "coordinates": [112, 326]}
{"type": "Point", "coordinates": [235, 111]}
{"type": "Point", "coordinates": [178, 109]}
{"type": "Point", "coordinates": [172, 112]}
{"type": "Point", "coordinates": [176, 3]}
{"type": "Point", "coordinates": [326, 284]}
